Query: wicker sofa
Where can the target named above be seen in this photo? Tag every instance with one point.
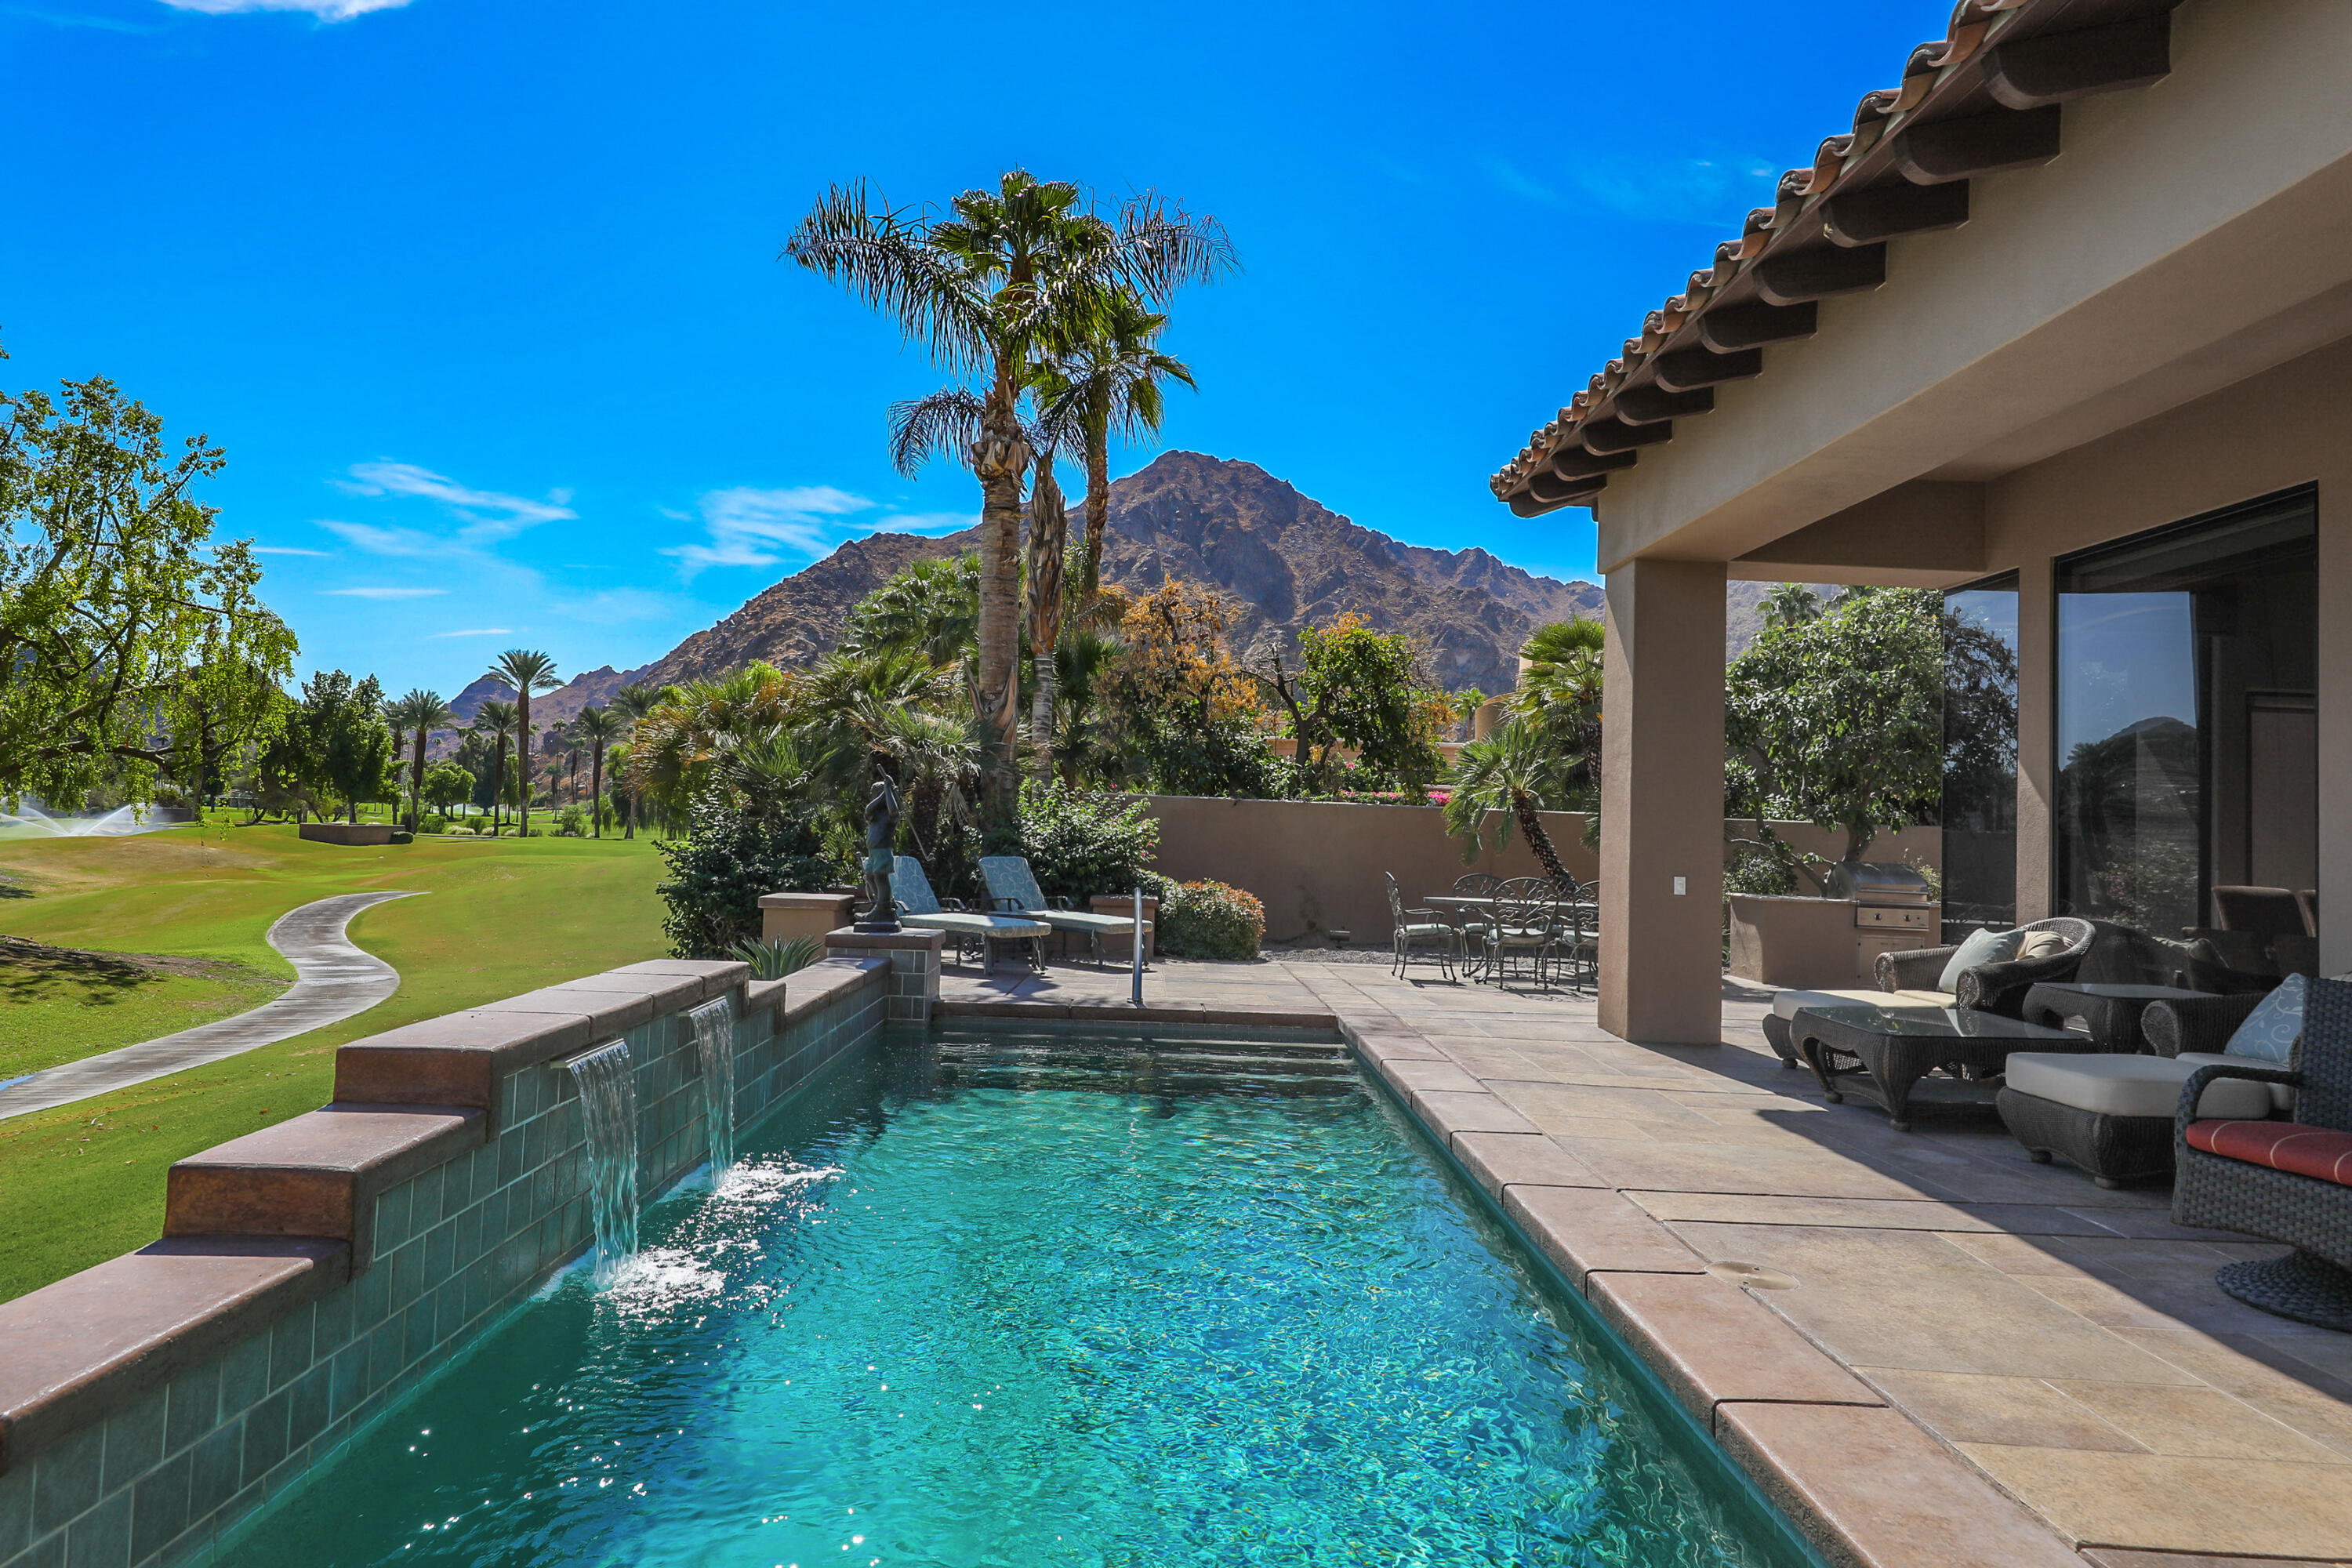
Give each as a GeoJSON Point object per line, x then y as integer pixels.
{"type": "Point", "coordinates": [2287, 1181]}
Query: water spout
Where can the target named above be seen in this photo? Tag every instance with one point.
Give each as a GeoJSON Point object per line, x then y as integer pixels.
{"type": "Point", "coordinates": [608, 1098]}
{"type": "Point", "coordinates": [714, 1044]}
{"type": "Point", "coordinates": [30, 821]}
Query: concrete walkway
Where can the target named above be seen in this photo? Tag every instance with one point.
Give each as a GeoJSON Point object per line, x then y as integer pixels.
{"type": "Point", "coordinates": [334, 980]}
{"type": "Point", "coordinates": [1932, 1353]}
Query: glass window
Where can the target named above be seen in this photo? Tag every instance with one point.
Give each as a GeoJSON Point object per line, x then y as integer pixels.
{"type": "Point", "coordinates": [1981, 756]}
{"type": "Point", "coordinates": [2187, 670]}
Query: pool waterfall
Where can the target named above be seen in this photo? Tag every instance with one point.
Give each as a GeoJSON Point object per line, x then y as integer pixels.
{"type": "Point", "coordinates": [608, 1099]}
{"type": "Point", "coordinates": [714, 1048]}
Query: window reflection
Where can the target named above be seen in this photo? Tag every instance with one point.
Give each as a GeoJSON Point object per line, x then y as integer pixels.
{"type": "Point", "coordinates": [2187, 665]}
{"type": "Point", "coordinates": [1979, 814]}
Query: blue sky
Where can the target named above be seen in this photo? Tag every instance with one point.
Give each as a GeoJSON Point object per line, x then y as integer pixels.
{"type": "Point", "coordinates": [482, 297]}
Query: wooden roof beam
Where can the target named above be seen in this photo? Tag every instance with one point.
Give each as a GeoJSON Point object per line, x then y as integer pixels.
{"type": "Point", "coordinates": [2035, 73]}
{"type": "Point", "coordinates": [1977, 144]}
{"type": "Point", "coordinates": [1687, 370]}
{"type": "Point", "coordinates": [1552, 490]}
{"type": "Point", "coordinates": [1608, 436]}
{"type": "Point", "coordinates": [1650, 405]}
{"type": "Point", "coordinates": [1732, 329]}
{"type": "Point", "coordinates": [1801, 277]}
{"type": "Point", "coordinates": [1888, 211]}
{"type": "Point", "coordinates": [1577, 463]}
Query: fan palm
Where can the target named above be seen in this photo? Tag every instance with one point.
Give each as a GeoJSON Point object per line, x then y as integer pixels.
{"type": "Point", "coordinates": [1512, 774]}
{"type": "Point", "coordinates": [418, 714]}
{"type": "Point", "coordinates": [1111, 379]}
{"type": "Point", "coordinates": [598, 728]}
{"type": "Point", "coordinates": [1002, 275]}
{"type": "Point", "coordinates": [527, 670]}
{"type": "Point", "coordinates": [1790, 604]}
{"type": "Point", "coordinates": [497, 720]}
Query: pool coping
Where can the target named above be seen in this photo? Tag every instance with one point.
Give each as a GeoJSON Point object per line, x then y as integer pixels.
{"type": "Point", "coordinates": [1864, 1485]}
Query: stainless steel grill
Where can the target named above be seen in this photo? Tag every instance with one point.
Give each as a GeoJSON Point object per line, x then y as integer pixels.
{"type": "Point", "coordinates": [1878, 882]}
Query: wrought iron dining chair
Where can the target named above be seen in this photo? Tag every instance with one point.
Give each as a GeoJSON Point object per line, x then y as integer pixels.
{"type": "Point", "coordinates": [1525, 927]}
{"type": "Point", "coordinates": [1416, 930]}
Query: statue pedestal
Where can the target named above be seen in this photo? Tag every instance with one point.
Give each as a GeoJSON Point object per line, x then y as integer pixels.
{"type": "Point", "coordinates": [914, 960]}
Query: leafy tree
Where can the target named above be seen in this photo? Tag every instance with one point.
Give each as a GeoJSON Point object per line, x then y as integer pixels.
{"type": "Point", "coordinates": [1187, 714]}
{"type": "Point", "coordinates": [1789, 604]}
{"type": "Point", "coordinates": [527, 670]}
{"type": "Point", "coordinates": [1080, 844]}
{"type": "Point", "coordinates": [346, 745]}
{"type": "Point", "coordinates": [1004, 275]}
{"type": "Point", "coordinates": [1506, 779]}
{"type": "Point", "coordinates": [446, 784]}
{"type": "Point", "coordinates": [1361, 690]}
{"type": "Point", "coordinates": [1838, 720]}
{"type": "Point", "coordinates": [598, 728]}
{"type": "Point", "coordinates": [418, 714]}
{"type": "Point", "coordinates": [494, 718]}
{"type": "Point", "coordinates": [125, 629]}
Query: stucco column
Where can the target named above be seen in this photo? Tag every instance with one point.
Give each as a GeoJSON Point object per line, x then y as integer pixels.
{"type": "Point", "coordinates": [2335, 728]}
{"type": "Point", "coordinates": [1662, 803]}
{"type": "Point", "coordinates": [2037, 739]}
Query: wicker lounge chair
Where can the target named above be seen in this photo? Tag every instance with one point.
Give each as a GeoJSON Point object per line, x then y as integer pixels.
{"type": "Point", "coordinates": [1416, 930]}
{"type": "Point", "coordinates": [1992, 987]}
{"type": "Point", "coordinates": [2283, 1181]}
{"type": "Point", "coordinates": [920, 908]}
{"type": "Point", "coordinates": [1013, 890]}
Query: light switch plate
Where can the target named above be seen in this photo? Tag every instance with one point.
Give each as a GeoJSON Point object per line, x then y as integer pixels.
{"type": "Point", "coordinates": [1682, 885]}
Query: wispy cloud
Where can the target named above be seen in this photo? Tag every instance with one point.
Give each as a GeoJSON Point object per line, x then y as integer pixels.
{"type": "Point", "coordinates": [475, 632]}
{"type": "Point", "coordinates": [325, 10]}
{"type": "Point", "coordinates": [748, 527]}
{"type": "Point", "coordinates": [386, 540]}
{"type": "Point", "coordinates": [288, 550]}
{"type": "Point", "coordinates": [383, 593]}
{"type": "Point", "coordinates": [1715, 190]}
{"type": "Point", "coordinates": [488, 515]}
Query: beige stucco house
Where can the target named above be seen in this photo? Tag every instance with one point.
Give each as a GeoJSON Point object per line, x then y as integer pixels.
{"type": "Point", "coordinates": [2064, 327]}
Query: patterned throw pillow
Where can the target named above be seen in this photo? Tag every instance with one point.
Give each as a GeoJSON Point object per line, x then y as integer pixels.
{"type": "Point", "coordinates": [1982, 947]}
{"type": "Point", "coordinates": [2270, 1030]}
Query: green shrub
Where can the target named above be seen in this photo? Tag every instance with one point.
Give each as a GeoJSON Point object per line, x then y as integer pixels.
{"type": "Point", "coordinates": [402, 836]}
{"type": "Point", "coordinates": [1209, 920]}
{"type": "Point", "coordinates": [1761, 870]}
{"type": "Point", "coordinates": [721, 868]}
{"type": "Point", "coordinates": [572, 822]}
{"type": "Point", "coordinates": [1081, 844]}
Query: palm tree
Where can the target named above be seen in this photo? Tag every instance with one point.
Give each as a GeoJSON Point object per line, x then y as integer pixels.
{"type": "Point", "coordinates": [527, 670]}
{"type": "Point", "coordinates": [1515, 772]}
{"type": "Point", "coordinates": [632, 703]}
{"type": "Point", "coordinates": [418, 713]}
{"type": "Point", "coordinates": [1790, 604]}
{"type": "Point", "coordinates": [498, 720]}
{"type": "Point", "coordinates": [1112, 380]}
{"type": "Point", "coordinates": [599, 727]}
{"type": "Point", "coordinates": [1049, 532]}
{"type": "Point", "coordinates": [1003, 275]}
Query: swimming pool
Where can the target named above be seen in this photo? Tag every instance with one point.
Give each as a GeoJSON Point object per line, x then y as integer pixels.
{"type": "Point", "coordinates": [1045, 1300]}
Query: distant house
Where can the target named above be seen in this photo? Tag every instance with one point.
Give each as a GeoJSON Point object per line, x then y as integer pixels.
{"type": "Point", "coordinates": [2061, 328]}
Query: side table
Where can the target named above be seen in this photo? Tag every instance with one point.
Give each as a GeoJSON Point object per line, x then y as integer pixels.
{"type": "Point", "coordinates": [2111, 1013]}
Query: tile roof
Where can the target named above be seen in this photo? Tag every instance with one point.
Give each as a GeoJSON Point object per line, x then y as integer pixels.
{"type": "Point", "coordinates": [1984, 98]}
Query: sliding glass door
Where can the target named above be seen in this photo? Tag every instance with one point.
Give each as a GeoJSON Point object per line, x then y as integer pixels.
{"type": "Point", "coordinates": [1981, 756]}
{"type": "Point", "coordinates": [2187, 669]}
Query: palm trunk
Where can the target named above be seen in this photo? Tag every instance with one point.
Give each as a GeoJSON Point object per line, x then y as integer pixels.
{"type": "Point", "coordinates": [597, 792]}
{"type": "Point", "coordinates": [1000, 458]}
{"type": "Point", "coordinates": [1048, 527]}
{"type": "Point", "coordinates": [1098, 499]}
{"type": "Point", "coordinates": [1523, 807]}
{"type": "Point", "coordinates": [498, 784]}
{"type": "Point", "coordinates": [416, 782]}
{"type": "Point", "coordinates": [522, 755]}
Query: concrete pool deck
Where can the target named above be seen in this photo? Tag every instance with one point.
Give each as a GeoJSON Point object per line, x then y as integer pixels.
{"type": "Point", "coordinates": [1928, 1349]}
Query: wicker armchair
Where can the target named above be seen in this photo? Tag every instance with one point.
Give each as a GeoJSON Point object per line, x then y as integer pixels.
{"type": "Point", "coordinates": [1992, 987]}
{"type": "Point", "coordinates": [2282, 1181]}
{"type": "Point", "coordinates": [2195, 1023]}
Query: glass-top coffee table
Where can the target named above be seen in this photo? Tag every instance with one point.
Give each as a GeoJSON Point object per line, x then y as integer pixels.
{"type": "Point", "coordinates": [1943, 1056]}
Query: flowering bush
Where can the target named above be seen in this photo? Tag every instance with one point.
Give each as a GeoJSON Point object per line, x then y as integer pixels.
{"type": "Point", "coordinates": [1209, 920]}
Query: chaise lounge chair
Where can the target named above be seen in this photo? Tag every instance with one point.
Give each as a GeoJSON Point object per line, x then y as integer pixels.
{"type": "Point", "coordinates": [920, 908]}
{"type": "Point", "coordinates": [1012, 889]}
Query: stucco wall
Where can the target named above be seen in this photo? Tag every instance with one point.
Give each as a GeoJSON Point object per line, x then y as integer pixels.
{"type": "Point", "coordinates": [150, 1406]}
{"type": "Point", "coordinates": [1318, 864]}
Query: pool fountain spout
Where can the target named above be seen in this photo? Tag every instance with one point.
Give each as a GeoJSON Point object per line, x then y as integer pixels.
{"type": "Point", "coordinates": [608, 1103]}
{"type": "Point", "coordinates": [714, 1047]}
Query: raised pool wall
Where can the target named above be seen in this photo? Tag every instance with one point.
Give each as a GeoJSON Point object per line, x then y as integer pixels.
{"type": "Point", "coordinates": [313, 1272]}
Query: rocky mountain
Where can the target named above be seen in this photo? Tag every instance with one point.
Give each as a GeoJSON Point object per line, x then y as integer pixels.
{"type": "Point", "coordinates": [1284, 559]}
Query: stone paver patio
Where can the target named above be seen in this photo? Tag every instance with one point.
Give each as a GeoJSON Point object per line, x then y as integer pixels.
{"type": "Point", "coordinates": [1805, 1277]}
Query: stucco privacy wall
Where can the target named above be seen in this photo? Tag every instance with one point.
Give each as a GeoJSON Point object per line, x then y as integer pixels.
{"type": "Point", "coordinates": [2284, 427]}
{"type": "Point", "coordinates": [1316, 864]}
{"type": "Point", "coordinates": [312, 1274]}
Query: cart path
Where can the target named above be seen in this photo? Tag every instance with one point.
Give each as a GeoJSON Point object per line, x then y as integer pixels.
{"type": "Point", "coordinates": [332, 981]}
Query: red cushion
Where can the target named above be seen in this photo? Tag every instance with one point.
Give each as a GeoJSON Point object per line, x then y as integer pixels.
{"type": "Point", "coordinates": [2281, 1145]}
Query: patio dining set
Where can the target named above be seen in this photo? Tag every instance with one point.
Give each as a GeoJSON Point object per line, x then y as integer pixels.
{"type": "Point", "coordinates": [1543, 928]}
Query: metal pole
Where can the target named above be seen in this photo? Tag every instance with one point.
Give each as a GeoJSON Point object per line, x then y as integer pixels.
{"type": "Point", "coordinates": [1135, 947]}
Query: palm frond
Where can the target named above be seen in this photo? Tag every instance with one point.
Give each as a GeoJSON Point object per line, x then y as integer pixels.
{"type": "Point", "coordinates": [942, 424]}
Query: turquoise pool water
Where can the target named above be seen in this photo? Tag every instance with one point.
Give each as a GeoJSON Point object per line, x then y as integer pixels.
{"type": "Point", "coordinates": [1042, 1301]}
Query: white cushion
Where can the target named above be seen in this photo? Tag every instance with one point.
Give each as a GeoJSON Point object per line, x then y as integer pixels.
{"type": "Point", "coordinates": [1980, 947]}
{"type": "Point", "coordinates": [2282, 1096]}
{"type": "Point", "coordinates": [1785, 1004]}
{"type": "Point", "coordinates": [2117, 1085]}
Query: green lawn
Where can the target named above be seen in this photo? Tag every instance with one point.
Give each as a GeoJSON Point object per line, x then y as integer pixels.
{"type": "Point", "coordinates": [83, 1182]}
